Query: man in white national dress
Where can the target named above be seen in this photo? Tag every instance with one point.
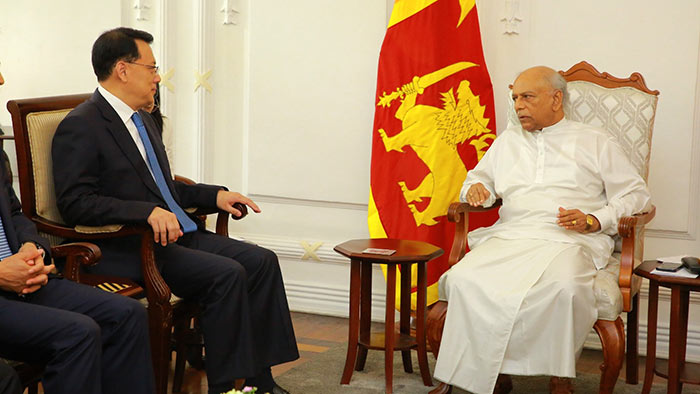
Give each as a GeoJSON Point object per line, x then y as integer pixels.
{"type": "Point", "coordinates": [521, 302]}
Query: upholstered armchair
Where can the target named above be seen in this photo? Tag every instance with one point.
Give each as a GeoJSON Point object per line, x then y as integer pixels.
{"type": "Point", "coordinates": [34, 123]}
{"type": "Point", "coordinates": [626, 109]}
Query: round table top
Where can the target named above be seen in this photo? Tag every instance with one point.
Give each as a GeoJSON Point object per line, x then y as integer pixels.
{"type": "Point", "coordinates": [406, 251]}
{"type": "Point", "coordinates": [644, 270]}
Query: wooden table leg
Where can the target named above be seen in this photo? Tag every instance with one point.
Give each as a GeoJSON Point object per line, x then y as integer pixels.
{"type": "Point", "coordinates": [389, 339]}
{"type": "Point", "coordinates": [405, 325]}
{"type": "Point", "coordinates": [677, 337]}
{"type": "Point", "coordinates": [675, 341]}
{"type": "Point", "coordinates": [421, 301]}
{"type": "Point", "coordinates": [651, 336]}
{"type": "Point", "coordinates": [683, 334]}
{"type": "Point", "coordinates": [354, 321]}
{"type": "Point", "coordinates": [632, 354]}
{"type": "Point", "coordinates": [365, 313]}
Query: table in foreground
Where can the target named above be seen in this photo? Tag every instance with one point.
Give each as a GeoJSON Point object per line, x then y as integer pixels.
{"type": "Point", "coordinates": [676, 370]}
{"type": "Point", "coordinates": [407, 253]}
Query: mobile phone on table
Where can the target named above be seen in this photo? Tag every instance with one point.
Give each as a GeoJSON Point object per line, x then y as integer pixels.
{"type": "Point", "coordinates": [670, 267]}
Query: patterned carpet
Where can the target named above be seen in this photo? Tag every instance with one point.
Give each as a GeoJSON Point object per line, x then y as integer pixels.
{"type": "Point", "coordinates": [321, 375]}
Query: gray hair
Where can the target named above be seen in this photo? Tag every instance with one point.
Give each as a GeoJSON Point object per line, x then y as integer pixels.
{"type": "Point", "coordinates": [559, 83]}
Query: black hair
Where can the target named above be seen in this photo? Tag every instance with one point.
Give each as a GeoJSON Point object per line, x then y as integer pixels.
{"type": "Point", "coordinates": [115, 45]}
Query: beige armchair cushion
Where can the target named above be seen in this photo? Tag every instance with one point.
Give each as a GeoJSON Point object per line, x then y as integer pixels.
{"type": "Point", "coordinates": [41, 127]}
{"type": "Point", "coordinates": [626, 113]}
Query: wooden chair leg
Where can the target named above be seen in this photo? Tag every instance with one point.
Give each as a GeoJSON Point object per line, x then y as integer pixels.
{"type": "Point", "coordinates": [179, 373]}
{"type": "Point", "coordinates": [434, 325]}
{"type": "Point", "coordinates": [632, 356]}
{"type": "Point", "coordinates": [442, 388]}
{"type": "Point", "coordinates": [160, 321]}
{"type": "Point", "coordinates": [612, 337]}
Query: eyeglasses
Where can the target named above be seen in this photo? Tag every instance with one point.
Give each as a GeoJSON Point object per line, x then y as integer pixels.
{"type": "Point", "coordinates": [152, 67]}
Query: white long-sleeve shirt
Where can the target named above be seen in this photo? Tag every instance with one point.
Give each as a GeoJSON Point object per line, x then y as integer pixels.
{"type": "Point", "coordinates": [570, 165]}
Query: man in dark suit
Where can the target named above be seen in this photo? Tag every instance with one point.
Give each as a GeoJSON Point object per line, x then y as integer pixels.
{"type": "Point", "coordinates": [111, 167]}
{"type": "Point", "coordinates": [91, 341]}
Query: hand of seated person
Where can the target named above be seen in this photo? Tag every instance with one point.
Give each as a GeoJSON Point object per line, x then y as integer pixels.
{"type": "Point", "coordinates": [477, 194]}
{"type": "Point", "coordinates": [226, 199]}
{"type": "Point", "coordinates": [24, 272]}
{"type": "Point", "coordinates": [574, 219]}
{"type": "Point", "coordinates": [166, 228]}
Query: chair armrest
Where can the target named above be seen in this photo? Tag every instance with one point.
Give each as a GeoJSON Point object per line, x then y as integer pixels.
{"type": "Point", "coordinates": [458, 212]}
{"type": "Point", "coordinates": [157, 291]}
{"type": "Point", "coordinates": [222, 216]}
{"type": "Point", "coordinates": [108, 229]}
{"type": "Point", "coordinates": [76, 254]}
{"type": "Point", "coordinates": [631, 230]}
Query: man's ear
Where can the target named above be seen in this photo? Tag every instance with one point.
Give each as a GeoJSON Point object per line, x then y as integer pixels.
{"type": "Point", "coordinates": [120, 70]}
{"type": "Point", "coordinates": [557, 100]}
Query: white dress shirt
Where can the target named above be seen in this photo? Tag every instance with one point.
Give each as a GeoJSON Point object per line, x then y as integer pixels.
{"type": "Point", "coordinates": [570, 165]}
{"type": "Point", "coordinates": [125, 112]}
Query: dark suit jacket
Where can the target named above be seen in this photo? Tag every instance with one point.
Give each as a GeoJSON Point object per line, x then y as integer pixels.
{"type": "Point", "coordinates": [18, 228]}
{"type": "Point", "coordinates": [100, 176]}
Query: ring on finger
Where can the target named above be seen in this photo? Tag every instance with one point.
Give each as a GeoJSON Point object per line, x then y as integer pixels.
{"type": "Point", "coordinates": [573, 222]}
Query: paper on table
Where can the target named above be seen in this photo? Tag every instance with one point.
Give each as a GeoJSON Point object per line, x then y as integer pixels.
{"type": "Point", "coordinates": [385, 252]}
{"type": "Point", "coordinates": [681, 273]}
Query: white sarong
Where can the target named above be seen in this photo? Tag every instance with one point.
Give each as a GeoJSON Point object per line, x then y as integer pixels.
{"type": "Point", "coordinates": [520, 307]}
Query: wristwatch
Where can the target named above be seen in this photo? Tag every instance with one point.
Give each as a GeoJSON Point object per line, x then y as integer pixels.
{"type": "Point", "coordinates": [40, 249]}
{"type": "Point", "coordinates": [590, 221]}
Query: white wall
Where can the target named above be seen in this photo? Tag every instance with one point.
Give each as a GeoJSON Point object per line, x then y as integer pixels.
{"type": "Point", "coordinates": [289, 117]}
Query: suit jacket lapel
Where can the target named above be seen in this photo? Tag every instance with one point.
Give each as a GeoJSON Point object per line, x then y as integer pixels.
{"type": "Point", "coordinates": [6, 213]}
{"type": "Point", "coordinates": [121, 135]}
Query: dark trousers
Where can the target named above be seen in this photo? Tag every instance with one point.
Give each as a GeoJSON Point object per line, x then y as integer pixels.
{"type": "Point", "coordinates": [91, 341]}
{"type": "Point", "coordinates": [9, 381]}
{"type": "Point", "coordinates": [245, 321]}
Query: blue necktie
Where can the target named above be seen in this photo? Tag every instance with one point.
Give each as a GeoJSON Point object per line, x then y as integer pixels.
{"type": "Point", "coordinates": [187, 224]}
{"type": "Point", "coordinates": [5, 250]}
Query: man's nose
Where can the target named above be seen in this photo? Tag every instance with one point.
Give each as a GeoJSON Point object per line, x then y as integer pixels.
{"type": "Point", "coordinates": [518, 104]}
{"type": "Point", "coordinates": [157, 78]}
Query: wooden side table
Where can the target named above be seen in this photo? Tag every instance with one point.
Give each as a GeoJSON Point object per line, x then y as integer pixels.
{"type": "Point", "coordinates": [676, 370]}
{"type": "Point", "coordinates": [407, 253]}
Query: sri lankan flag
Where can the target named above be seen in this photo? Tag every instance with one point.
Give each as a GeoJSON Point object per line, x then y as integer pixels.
{"type": "Point", "coordinates": [434, 119]}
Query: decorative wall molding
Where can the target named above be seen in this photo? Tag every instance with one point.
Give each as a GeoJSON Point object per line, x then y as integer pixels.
{"type": "Point", "coordinates": [670, 234]}
{"type": "Point", "coordinates": [142, 8]}
{"type": "Point", "coordinates": [202, 26]}
{"type": "Point", "coordinates": [292, 249]}
{"type": "Point", "coordinates": [310, 250]}
{"type": "Point", "coordinates": [694, 198]}
{"type": "Point", "coordinates": [307, 202]}
{"type": "Point", "coordinates": [165, 80]}
{"type": "Point", "coordinates": [164, 37]}
{"type": "Point", "coordinates": [230, 12]}
{"type": "Point", "coordinates": [511, 18]}
{"type": "Point", "coordinates": [202, 80]}
{"type": "Point", "coordinates": [327, 300]}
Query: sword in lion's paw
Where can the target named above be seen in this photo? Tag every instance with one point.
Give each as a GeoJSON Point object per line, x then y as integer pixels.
{"type": "Point", "coordinates": [423, 82]}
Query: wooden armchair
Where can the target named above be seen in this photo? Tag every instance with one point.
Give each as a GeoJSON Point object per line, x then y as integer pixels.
{"type": "Point", "coordinates": [626, 109]}
{"type": "Point", "coordinates": [34, 123]}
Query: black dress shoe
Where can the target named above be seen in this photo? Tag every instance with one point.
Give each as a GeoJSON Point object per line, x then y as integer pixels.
{"type": "Point", "coordinates": [276, 389]}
